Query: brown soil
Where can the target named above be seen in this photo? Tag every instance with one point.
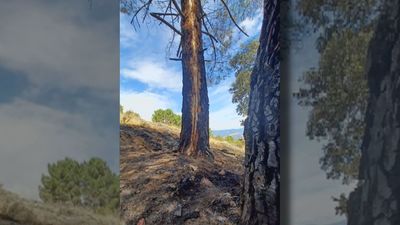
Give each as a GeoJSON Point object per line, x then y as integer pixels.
{"type": "Point", "coordinates": [161, 186]}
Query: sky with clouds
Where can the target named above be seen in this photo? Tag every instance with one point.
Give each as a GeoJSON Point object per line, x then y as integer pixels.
{"type": "Point", "coordinates": [58, 86]}
{"type": "Point", "coordinates": [149, 80]}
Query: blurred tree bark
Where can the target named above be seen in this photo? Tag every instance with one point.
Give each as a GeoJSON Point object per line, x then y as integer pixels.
{"type": "Point", "coordinates": [377, 198]}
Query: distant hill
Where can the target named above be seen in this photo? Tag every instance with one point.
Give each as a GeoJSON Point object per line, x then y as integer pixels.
{"type": "Point", "coordinates": [235, 133]}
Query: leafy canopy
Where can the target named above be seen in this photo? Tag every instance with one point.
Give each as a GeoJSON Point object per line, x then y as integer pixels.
{"type": "Point", "coordinates": [88, 184]}
{"type": "Point", "coordinates": [242, 64]}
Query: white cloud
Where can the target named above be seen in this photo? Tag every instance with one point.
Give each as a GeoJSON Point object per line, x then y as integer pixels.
{"type": "Point", "coordinates": [252, 25]}
{"type": "Point", "coordinates": [127, 32]}
{"type": "Point", "coordinates": [225, 118]}
{"type": "Point", "coordinates": [144, 103]}
{"type": "Point", "coordinates": [154, 74]}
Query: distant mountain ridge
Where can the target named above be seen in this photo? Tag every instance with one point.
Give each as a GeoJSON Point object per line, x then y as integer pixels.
{"type": "Point", "coordinates": [235, 133]}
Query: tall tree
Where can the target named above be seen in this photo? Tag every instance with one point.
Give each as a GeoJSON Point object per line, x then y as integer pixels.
{"type": "Point", "coordinates": [194, 137]}
{"type": "Point", "coordinates": [194, 22]}
{"type": "Point", "coordinates": [260, 199]}
{"type": "Point", "coordinates": [377, 198]}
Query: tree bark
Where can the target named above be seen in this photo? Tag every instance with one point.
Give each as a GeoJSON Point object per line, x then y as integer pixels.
{"type": "Point", "coordinates": [377, 198]}
{"type": "Point", "coordinates": [260, 187]}
{"type": "Point", "coordinates": [194, 137]}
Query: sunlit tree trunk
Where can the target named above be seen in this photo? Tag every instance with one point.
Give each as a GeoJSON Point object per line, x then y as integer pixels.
{"type": "Point", "coordinates": [261, 183]}
{"type": "Point", "coordinates": [377, 199]}
{"type": "Point", "coordinates": [194, 138]}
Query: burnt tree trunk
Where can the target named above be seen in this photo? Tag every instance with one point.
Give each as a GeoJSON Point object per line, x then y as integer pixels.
{"type": "Point", "coordinates": [194, 137]}
{"type": "Point", "coordinates": [377, 198]}
{"type": "Point", "coordinates": [261, 183]}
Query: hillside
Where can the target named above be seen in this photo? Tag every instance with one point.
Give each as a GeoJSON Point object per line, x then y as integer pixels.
{"type": "Point", "coordinates": [15, 210]}
{"type": "Point", "coordinates": [235, 133]}
{"type": "Point", "coordinates": [160, 186]}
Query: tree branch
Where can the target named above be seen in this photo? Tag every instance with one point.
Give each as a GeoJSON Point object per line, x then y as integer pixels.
{"type": "Point", "coordinates": [233, 20]}
{"type": "Point", "coordinates": [155, 15]}
{"type": "Point", "coordinates": [177, 7]}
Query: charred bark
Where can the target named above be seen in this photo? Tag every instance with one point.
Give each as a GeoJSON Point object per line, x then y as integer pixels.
{"type": "Point", "coordinates": [194, 138]}
{"type": "Point", "coordinates": [260, 188]}
{"type": "Point", "coordinates": [377, 198]}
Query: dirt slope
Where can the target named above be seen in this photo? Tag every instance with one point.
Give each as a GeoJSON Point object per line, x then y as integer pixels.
{"type": "Point", "coordinates": [18, 211]}
{"type": "Point", "coordinates": [160, 186]}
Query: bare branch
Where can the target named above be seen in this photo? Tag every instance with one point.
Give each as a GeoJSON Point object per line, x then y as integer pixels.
{"type": "Point", "coordinates": [233, 20]}
{"type": "Point", "coordinates": [210, 35]}
{"type": "Point", "coordinates": [168, 8]}
{"type": "Point", "coordinates": [166, 14]}
{"type": "Point", "coordinates": [179, 48]}
{"type": "Point", "coordinates": [147, 9]}
{"type": "Point", "coordinates": [177, 7]}
{"type": "Point", "coordinates": [155, 15]}
{"type": "Point", "coordinates": [145, 5]}
{"type": "Point", "coordinates": [175, 59]}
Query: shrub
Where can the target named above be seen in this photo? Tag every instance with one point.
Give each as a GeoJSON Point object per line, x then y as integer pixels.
{"type": "Point", "coordinates": [128, 116]}
{"type": "Point", "coordinates": [166, 116]}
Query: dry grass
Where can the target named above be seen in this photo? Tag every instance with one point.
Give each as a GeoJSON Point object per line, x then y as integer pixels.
{"type": "Point", "coordinates": [164, 128]}
{"type": "Point", "coordinates": [15, 210]}
{"type": "Point", "coordinates": [162, 186]}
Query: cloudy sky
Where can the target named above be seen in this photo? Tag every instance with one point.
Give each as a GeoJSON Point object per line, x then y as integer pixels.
{"type": "Point", "coordinates": [58, 87]}
{"type": "Point", "coordinates": [149, 80]}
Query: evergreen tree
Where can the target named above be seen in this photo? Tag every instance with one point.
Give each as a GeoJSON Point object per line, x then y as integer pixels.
{"type": "Point", "coordinates": [89, 184]}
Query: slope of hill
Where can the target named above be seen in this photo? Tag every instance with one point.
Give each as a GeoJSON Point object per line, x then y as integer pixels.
{"type": "Point", "coordinates": [160, 186]}
{"type": "Point", "coordinates": [15, 210]}
{"type": "Point", "coordinates": [235, 133]}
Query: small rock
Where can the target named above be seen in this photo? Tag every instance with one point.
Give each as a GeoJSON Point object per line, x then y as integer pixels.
{"type": "Point", "coordinates": [221, 219]}
{"type": "Point", "coordinates": [178, 210]}
{"type": "Point", "coordinates": [193, 167]}
{"type": "Point", "coordinates": [191, 215]}
{"type": "Point", "coordinates": [222, 173]}
{"type": "Point", "coordinates": [206, 182]}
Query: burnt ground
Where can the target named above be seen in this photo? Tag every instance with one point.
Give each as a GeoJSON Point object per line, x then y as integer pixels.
{"type": "Point", "coordinates": [161, 186]}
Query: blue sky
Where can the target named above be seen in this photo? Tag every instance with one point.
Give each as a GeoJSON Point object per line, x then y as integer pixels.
{"type": "Point", "coordinates": [149, 80]}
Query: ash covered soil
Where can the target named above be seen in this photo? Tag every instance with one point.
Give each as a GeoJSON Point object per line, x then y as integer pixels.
{"type": "Point", "coordinates": [161, 186]}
